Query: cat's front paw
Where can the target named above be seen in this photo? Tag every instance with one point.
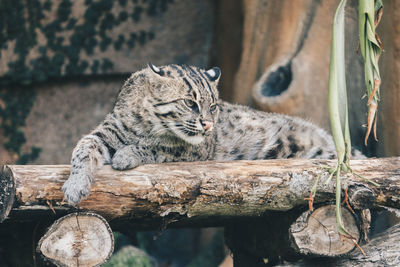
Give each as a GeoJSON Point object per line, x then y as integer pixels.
{"type": "Point", "coordinates": [76, 189]}
{"type": "Point", "coordinates": [124, 161]}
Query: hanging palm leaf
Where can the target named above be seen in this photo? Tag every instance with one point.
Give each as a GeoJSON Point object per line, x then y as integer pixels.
{"type": "Point", "coordinates": [369, 16]}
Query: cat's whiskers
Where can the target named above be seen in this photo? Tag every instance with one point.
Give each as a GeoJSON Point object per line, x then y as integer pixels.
{"type": "Point", "coordinates": [173, 127]}
{"type": "Point", "coordinates": [184, 128]}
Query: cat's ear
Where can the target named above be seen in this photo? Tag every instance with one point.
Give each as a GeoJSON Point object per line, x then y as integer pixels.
{"type": "Point", "coordinates": [213, 74]}
{"type": "Point", "coordinates": [155, 69]}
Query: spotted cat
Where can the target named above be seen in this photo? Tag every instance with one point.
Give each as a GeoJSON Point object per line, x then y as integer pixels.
{"type": "Point", "coordinates": [172, 113]}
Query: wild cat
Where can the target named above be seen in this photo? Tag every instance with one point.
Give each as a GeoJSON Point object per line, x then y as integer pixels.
{"type": "Point", "coordinates": [172, 113]}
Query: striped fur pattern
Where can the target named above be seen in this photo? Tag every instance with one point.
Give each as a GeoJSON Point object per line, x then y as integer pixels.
{"type": "Point", "coordinates": [172, 113]}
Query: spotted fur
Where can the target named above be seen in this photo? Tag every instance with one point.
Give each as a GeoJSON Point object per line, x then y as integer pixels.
{"type": "Point", "coordinates": [172, 113]}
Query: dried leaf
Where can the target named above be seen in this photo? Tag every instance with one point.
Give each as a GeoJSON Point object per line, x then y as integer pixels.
{"type": "Point", "coordinates": [376, 119]}
{"type": "Point", "coordinates": [379, 42]}
{"type": "Point", "coordinates": [378, 15]}
{"type": "Point", "coordinates": [372, 107]}
{"type": "Point", "coordinates": [377, 83]}
{"type": "Point", "coordinates": [370, 15]}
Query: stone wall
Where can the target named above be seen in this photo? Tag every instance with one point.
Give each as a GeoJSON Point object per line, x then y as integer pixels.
{"type": "Point", "coordinates": [62, 63]}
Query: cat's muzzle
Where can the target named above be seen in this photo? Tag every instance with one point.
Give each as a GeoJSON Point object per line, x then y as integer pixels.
{"type": "Point", "coordinates": [207, 126]}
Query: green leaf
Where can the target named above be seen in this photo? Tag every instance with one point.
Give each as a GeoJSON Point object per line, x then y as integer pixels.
{"type": "Point", "coordinates": [337, 94]}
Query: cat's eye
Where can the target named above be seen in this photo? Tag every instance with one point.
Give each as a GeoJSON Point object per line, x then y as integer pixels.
{"type": "Point", "coordinates": [213, 108]}
{"type": "Point", "coordinates": [192, 105]}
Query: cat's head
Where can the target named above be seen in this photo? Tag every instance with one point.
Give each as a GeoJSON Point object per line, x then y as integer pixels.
{"type": "Point", "coordinates": [184, 100]}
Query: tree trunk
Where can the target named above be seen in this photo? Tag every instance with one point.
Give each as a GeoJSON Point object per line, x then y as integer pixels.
{"type": "Point", "coordinates": [284, 66]}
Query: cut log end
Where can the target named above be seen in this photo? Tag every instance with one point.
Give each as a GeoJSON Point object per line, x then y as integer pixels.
{"type": "Point", "coordinates": [316, 233]}
{"type": "Point", "coordinates": [7, 191]}
{"type": "Point", "coordinates": [361, 197]}
{"type": "Point", "coordinates": [78, 239]}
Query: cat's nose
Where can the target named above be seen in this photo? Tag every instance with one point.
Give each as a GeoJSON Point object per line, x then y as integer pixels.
{"type": "Point", "coordinates": [207, 125]}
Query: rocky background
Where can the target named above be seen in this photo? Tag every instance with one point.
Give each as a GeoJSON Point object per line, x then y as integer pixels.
{"type": "Point", "coordinates": [62, 63]}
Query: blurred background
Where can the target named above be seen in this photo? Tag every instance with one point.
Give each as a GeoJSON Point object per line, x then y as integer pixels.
{"type": "Point", "coordinates": [62, 63]}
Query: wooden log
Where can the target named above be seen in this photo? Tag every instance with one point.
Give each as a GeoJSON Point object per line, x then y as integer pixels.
{"type": "Point", "coordinates": [183, 193]}
{"type": "Point", "coordinates": [382, 250]}
{"type": "Point", "coordinates": [316, 233]}
{"type": "Point", "coordinates": [7, 192]}
{"type": "Point", "coordinates": [291, 235]}
{"type": "Point", "coordinates": [78, 239]}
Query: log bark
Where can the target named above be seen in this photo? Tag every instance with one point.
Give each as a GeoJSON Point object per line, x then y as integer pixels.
{"type": "Point", "coordinates": [183, 193]}
{"type": "Point", "coordinates": [78, 239]}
